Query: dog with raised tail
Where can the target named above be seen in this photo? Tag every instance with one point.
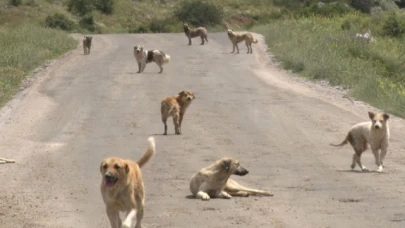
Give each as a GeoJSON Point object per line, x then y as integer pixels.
{"type": "Point", "coordinates": [375, 133]}
{"type": "Point", "coordinates": [122, 188]}
{"type": "Point", "coordinates": [143, 57]}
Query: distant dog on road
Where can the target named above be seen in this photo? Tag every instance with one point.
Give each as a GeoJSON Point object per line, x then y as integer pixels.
{"type": "Point", "coordinates": [376, 133]}
{"type": "Point", "coordinates": [144, 56]}
{"type": "Point", "coordinates": [191, 33]}
{"type": "Point", "coordinates": [213, 181]}
{"type": "Point", "coordinates": [122, 188]}
{"type": "Point", "coordinates": [176, 107]}
{"type": "Point", "coordinates": [237, 38]}
{"type": "Point", "coordinates": [87, 44]}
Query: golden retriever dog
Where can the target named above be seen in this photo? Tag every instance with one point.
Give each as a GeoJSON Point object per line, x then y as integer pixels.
{"type": "Point", "coordinates": [237, 38]}
{"type": "Point", "coordinates": [192, 33]}
{"type": "Point", "coordinates": [213, 181]}
{"type": "Point", "coordinates": [122, 188]}
{"type": "Point", "coordinates": [176, 107]}
{"type": "Point", "coordinates": [144, 56]}
{"type": "Point", "coordinates": [6, 160]}
{"type": "Point", "coordinates": [376, 133]}
{"type": "Point", "coordinates": [87, 44]}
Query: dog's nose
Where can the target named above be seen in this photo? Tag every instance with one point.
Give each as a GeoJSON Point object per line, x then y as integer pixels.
{"type": "Point", "coordinates": [108, 175]}
{"type": "Point", "coordinates": [189, 98]}
{"type": "Point", "coordinates": [376, 126]}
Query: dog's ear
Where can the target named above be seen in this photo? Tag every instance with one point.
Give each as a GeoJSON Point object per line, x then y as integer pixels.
{"type": "Point", "coordinates": [102, 166]}
{"type": "Point", "coordinates": [226, 165]}
{"type": "Point", "coordinates": [371, 115]}
{"type": "Point", "coordinates": [182, 93]}
{"type": "Point", "coordinates": [126, 166]}
{"type": "Point", "coordinates": [386, 116]}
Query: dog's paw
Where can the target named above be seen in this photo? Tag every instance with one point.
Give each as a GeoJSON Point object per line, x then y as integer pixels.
{"type": "Point", "coordinates": [353, 166]}
{"type": "Point", "coordinates": [364, 169]}
{"type": "Point", "coordinates": [380, 169]}
{"type": "Point", "coordinates": [125, 226]}
{"type": "Point", "coordinates": [205, 197]}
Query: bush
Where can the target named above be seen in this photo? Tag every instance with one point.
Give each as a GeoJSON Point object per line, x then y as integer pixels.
{"type": "Point", "coordinates": [105, 6]}
{"type": "Point", "coordinates": [81, 7]}
{"type": "Point", "coordinates": [326, 9]}
{"type": "Point", "coordinates": [362, 5]}
{"type": "Point", "coordinates": [393, 26]}
{"type": "Point", "coordinates": [198, 13]}
{"type": "Point", "coordinates": [87, 22]}
{"type": "Point", "coordinates": [139, 29]}
{"type": "Point", "coordinates": [15, 2]}
{"type": "Point", "coordinates": [59, 21]}
{"type": "Point", "coordinates": [159, 26]}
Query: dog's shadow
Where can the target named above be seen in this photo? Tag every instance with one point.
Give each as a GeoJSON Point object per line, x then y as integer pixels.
{"type": "Point", "coordinates": [161, 134]}
{"type": "Point", "coordinates": [135, 73]}
{"type": "Point", "coordinates": [191, 197]}
{"type": "Point", "coordinates": [356, 171]}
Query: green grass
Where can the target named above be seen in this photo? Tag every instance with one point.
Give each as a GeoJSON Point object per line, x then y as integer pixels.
{"type": "Point", "coordinates": [24, 48]}
{"type": "Point", "coordinates": [318, 48]}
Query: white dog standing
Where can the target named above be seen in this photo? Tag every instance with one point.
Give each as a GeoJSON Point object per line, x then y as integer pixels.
{"type": "Point", "coordinates": [376, 133]}
{"type": "Point", "coordinates": [144, 56]}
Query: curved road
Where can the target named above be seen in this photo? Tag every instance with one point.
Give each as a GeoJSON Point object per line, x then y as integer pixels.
{"type": "Point", "coordinates": [84, 108]}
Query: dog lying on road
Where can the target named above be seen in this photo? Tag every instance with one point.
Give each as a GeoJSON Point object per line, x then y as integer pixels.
{"type": "Point", "coordinates": [144, 56]}
{"type": "Point", "coordinates": [237, 38]}
{"type": "Point", "coordinates": [87, 44]}
{"type": "Point", "coordinates": [122, 188]}
{"type": "Point", "coordinates": [176, 107]}
{"type": "Point", "coordinates": [376, 133]}
{"type": "Point", "coordinates": [191, 33]}
{"type": "Point", "coordinates": [213, 181]}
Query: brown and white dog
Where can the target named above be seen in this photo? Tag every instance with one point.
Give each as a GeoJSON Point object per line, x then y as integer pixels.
{"type": "Point", "coordinates": [192, 33]}
{"type": "Point", "coordinates": [87, 44]}
{"type": "Point", "coordinates": [143, 57]}
{"type": "Point", "coordinates": [213, 181]}
{"type": "Point", "coordinates": [376, 133]}
{"type": "Point", "coordinates": [122, 188]}
{"type": "Point", "coordinates": [176, 107]}
{"type": "Point", "coordinates": [237, 38]}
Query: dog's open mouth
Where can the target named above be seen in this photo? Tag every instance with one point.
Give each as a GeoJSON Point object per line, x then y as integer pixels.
{"type": "Point", "coordinates": [110, 182]}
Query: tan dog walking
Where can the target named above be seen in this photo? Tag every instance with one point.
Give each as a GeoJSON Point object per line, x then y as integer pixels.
{"type": "Point", "coordinates": [122, 188]}
{"type": "Point", "coordinates": [376, 133]}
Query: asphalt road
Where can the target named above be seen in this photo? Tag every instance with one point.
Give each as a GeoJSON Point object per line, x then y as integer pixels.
{"type": "Point", "coordinates": [84, 108]}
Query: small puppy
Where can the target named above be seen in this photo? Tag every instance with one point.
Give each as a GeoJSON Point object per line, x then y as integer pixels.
{"type": "Point", "coordinates": [144, 56]}
{"type": "Point", "coordinates": [176, 107]}
{"type": "Point", "coordinates": [192, 33]}
{"type": "Point", "coordinates": [122, 188]}
{"type": "Point", "coordinates": [213, 181]}
{"type": "Point", "coordinates": [376, 133]}
{"type": "Point", "coordinates": [87, 44]}
{"type": "Point", "coordinates": [237, 38]}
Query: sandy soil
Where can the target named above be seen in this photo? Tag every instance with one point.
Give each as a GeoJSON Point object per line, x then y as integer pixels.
{"type": "Point", "coordinates": [81, 109]}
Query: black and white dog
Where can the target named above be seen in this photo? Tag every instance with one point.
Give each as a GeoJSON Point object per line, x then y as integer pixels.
{"type": "Point", "coordinates": [144, 56]}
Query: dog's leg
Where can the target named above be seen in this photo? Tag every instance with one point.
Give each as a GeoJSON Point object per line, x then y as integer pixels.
{"type": "Point", "coordinates": [181, 119]}
{"type": "Point", "coordinates": [353, 165]}
{"type": "Point", "coordinates": [143, 66]}
{"type": "Point", "coordinates": [377, 159]}
{"type": "Point", "coordinates": [358, 160]}
{"type": "Point", "coordinates": [239, 193]}
{"type": "Point", "coordinates": [382, 156]}
{"type": "Point", "coordinates": [160, 66]}
{"type": "Point", "coordinates": [189, 41]}
{"type": "Point", "coordinates": [129, 219]}
{"type": "Point", "coordinates": [233, 48]}
{"type": "Point", "coordinates": [176, 119]}
{"type": "Point", "coordinates": [237, 48]}
{"type": "Point", "coordinates": [139, 67]}
{"type": "Point", "coordinates": [140, 204]}
{"type": "Point", "coordinates": [202, 40]}
{"type": "Point", "coordinates": [114, 218]}
{"type": "Point", "coordinates": [164, 120]}
{"type": "Point", "coordinates": [224, 195]}
{"type": "Point", "coordinates": [202, 195]}
{"type": "Point", "coordinates": [251, 50]}
{"type": "Point", "coordinates": [247, 45]}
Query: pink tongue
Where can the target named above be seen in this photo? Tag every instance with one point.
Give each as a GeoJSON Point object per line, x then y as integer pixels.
{"type": "Point", "coordinates": [109, 183]}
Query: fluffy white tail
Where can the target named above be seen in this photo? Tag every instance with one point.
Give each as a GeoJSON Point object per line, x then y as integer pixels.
{"type": "Point", "coordinates": [167, 58]}
{"type": "Point", "coordinates": [148, 154]}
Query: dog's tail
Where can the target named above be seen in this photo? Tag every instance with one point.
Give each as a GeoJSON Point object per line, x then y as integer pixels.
{"type": "Point", "coordinates": [345, 141]}
{"type": "Point", "coordinates": [255, 41]}
{"type": "Point", "coordinates": [233, 186]}
{"type": "Point", "coordinates": [166, 57]}
{"type": "Point", "coordinates": [148, 154]}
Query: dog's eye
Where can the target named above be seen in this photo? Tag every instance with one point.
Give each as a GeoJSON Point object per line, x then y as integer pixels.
{"type": "Point", "coordinates": [105, 166]}
{"type": "Point", "coordinates": [116, 166]}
